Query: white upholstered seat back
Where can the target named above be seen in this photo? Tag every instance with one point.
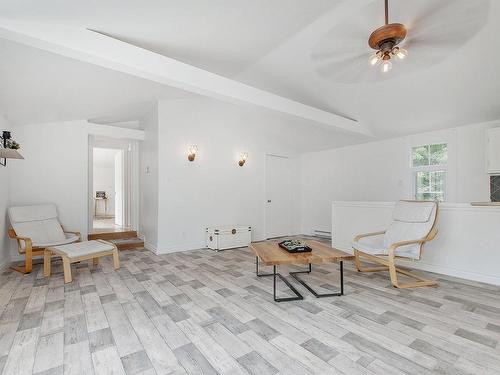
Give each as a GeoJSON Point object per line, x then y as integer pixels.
{"type": "Point", "coordinates": [411, 221]}
{"type": "Point", "coordinates": [40, 223]}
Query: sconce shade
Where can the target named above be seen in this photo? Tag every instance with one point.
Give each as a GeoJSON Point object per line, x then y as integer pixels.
{"type": "Point", "coordinates": [192, 150]}
{"type": "Point", "coordinates": [7, 153]}
{"type": "Point", "coordinates": [243, 159]}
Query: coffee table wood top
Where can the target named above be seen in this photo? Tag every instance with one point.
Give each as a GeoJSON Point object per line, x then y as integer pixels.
{"type": "Point", "coordinates": [270, 254]}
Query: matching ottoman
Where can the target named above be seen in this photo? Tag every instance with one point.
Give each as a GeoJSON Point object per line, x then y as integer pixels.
{"type": "Point", "coordinates": [77, 252]}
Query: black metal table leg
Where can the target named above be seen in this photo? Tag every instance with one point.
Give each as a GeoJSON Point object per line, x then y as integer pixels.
{"type": "Point", "coordinates": [274, 275]}
{"type": "Point", "coordinates": [318, 295]}
{"type": "Point", "coordinates": [257, 269]}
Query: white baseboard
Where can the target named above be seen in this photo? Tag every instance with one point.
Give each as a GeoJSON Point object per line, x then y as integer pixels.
{"type": "Point", "coordinates": [437, 268]}
{"type": "Point", "coordinates": [149, 246]}
{"type": "Point", "coordinates": [462, 274]}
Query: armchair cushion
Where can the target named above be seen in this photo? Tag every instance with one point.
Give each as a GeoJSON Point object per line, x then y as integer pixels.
{"type": "Point", "coordinates": [39, 223]}
{"type": "Point", "coordinates": [413, 212]}
{"type": "Point", "coordinates": [411, 221]}
{"type": "Point", "coordinates": [372, 245]}
{"type": "Point", "coordinates": [68, 238]}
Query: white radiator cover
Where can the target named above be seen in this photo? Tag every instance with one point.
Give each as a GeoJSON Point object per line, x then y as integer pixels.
{"type": "Point", "coordinates": [228, 237]}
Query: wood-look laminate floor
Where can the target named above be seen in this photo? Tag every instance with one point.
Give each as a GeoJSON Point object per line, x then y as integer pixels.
{"type": "Point", "coordinates": [202, 312]}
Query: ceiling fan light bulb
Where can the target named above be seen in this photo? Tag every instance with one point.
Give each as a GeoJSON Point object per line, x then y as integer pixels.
{"type": "Point", "coordinates": [386, 66]}
{"type": "Point", "coordinates": [374, 59]}
{"type": "Point", "coordinates": [402, 54]}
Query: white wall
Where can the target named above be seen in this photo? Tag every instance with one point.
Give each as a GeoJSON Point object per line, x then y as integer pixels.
{"type": "Point", "coordinates": [4, 222]}
{"type": "Point", "coordinates": [380, 171]}
{"type": "Point", "coordinates": [148, 180]}
{"type": "Point", "coordinates": [4, 200]}
{"type": "Point", "coordinates": [55, 168]}
{"type": "Point", "coordinates": [213, 190]}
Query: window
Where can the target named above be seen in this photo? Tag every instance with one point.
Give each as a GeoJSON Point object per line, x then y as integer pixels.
{"type": "Point", "coordinates": [429, 166]}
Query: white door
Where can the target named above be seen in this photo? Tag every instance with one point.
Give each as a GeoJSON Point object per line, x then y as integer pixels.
{"type": "Point", "coordinates": [119, 188]}
{"type": "Point", "coordinates": [279, 196]}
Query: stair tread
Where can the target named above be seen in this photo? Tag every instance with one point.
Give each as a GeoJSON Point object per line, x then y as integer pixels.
{"type": "Point", "coordinates": [126, 240]}
{"type": "Point", "coordinates": [113, 235]}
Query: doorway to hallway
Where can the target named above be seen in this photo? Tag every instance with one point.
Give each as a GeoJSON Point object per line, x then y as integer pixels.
{"type": "Point", "coordinates": [113, 185]}
{"type": "Point", "coordinates": [107, 192]}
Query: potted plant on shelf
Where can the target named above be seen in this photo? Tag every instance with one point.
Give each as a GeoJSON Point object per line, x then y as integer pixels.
{"type": "Point", "coordinates": [8, 148]}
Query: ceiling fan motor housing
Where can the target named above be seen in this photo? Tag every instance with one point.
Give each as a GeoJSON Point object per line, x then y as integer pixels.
{"type": "Point", "coordinates": [386, 37]}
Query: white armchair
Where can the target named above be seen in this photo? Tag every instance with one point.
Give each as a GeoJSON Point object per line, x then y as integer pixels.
{"type": "Point", "coordinates": [414, 223]}
{"type": "Point", "coordinates": [35, 228]}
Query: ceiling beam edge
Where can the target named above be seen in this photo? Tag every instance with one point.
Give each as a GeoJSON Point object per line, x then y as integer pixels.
{"type": "Point", "coordinates": [98, 49]}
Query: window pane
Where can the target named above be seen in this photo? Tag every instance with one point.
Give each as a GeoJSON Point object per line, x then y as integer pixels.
{"type": "Point", "coordinates": [430, 185]}
{"type": "Point", "coordinates": [438, 154]}
{"type": "Point", "coordinates": [422, 182]}
{"type": "Point", "coordinates": [437, 181]}
{"type": "Point", "coordinates": [420, 156]}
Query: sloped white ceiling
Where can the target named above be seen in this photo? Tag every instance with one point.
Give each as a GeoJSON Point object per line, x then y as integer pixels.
{"type": "Point", "coordinates": [221, 36]}
{"type": "Point", "coordinates": [267, 44]}
{"type": "Point", "coordinates": [38, 86]}
{"type": "Point", "coordinates": [457, 89]}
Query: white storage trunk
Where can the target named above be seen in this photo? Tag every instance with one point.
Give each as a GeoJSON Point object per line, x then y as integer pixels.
{"type": "Point", "coordinates": [221, 238]}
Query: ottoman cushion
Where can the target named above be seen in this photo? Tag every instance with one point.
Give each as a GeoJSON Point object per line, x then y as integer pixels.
{"type": "Point", "coordinates": [79, 249]}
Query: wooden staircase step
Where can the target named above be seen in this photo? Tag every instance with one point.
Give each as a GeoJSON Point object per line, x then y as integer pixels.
{"type": "Point", "coordinates": [112, 235]}
{"type": "Point", "coordinates": [128, 243]}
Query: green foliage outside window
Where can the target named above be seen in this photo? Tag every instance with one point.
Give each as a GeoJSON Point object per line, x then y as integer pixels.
{"type": "Point", "coordinates": [430, 155]}
{"type": "Point", "coordinates": [430, 184]}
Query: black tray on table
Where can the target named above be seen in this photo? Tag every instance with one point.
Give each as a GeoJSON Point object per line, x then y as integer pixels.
{"type": "Point", "coordinates": [294, 247]}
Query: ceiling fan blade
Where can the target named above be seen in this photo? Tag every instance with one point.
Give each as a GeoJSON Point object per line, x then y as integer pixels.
{"type": "Point", "coordinates": [341, 62]}
{"type": "Point", "coordinates": [349, 70]}
{"type": "Point", "coordinates": [448, 17]}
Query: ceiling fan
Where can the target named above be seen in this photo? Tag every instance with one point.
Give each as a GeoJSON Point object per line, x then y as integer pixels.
{"type": "Point", "coordinates": [385, 40]}
{"type": "Point", "coordinates": [431, 31]}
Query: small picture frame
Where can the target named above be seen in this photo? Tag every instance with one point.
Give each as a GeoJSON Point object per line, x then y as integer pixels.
{"type": "Point", "coordinates": [100, 195]}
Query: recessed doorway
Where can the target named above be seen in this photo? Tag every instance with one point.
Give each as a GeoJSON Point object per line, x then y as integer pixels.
{"type": "Point", "coordinates": [112, 184]}
{"type": "Point", "coordinates": [107, 189]}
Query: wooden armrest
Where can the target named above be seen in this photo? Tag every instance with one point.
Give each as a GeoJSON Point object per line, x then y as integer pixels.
{"type": "Point", "coordinates": [28, 244]}
{"type": "Point", "coordinates": [395, 245]}
{"type": "Point", "coordinates": [360, 236]}
{"type": "Point", "coordinates": [72, 232]}
{"type": "Point", "coordinates": [25, 239]}
{"type": "Point", "coordinates": [12, 234]}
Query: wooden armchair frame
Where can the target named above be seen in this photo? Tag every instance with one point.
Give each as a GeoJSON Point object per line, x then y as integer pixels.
{"type": "Point", "coordinates": [29, 250]}
{"type": "Point", "coordinates": [388, 261]}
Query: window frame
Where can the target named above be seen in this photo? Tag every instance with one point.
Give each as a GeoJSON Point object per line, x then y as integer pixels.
{"type": "Point", "coordinates": [429, 168]}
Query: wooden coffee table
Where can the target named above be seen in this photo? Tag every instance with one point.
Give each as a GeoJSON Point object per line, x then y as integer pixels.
{"type": "Point", "coordinates": [270, 254]}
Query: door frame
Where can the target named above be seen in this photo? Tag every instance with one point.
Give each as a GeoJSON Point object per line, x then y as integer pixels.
{"type": "Point", "coordinates": [130, 148]}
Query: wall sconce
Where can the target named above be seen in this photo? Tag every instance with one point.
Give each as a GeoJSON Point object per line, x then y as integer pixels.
{"type": "Point", "coordinates": [8, 149]}
{"type": "Point", "coordinates": [192, 150]}
{"type": "Point", "coordinates": [243, 159]}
